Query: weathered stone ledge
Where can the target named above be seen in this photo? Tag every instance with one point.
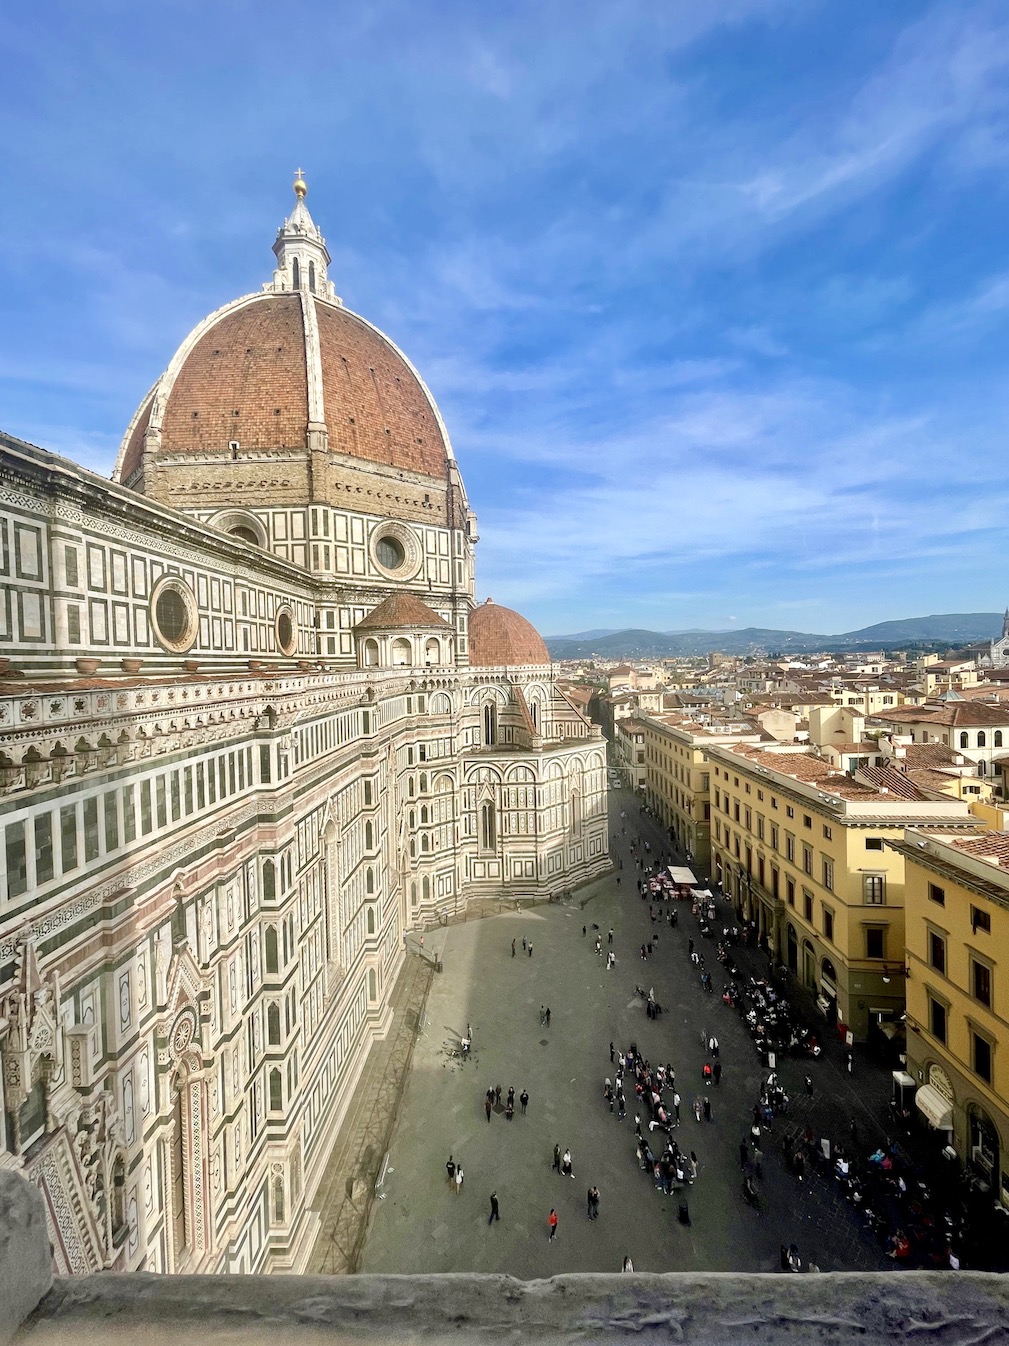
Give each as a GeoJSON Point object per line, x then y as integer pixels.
{"type": "Point", "coordinates": [720, 1309]}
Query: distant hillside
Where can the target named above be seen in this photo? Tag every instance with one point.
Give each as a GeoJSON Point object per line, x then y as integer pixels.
{"type": "Point", "coordinates": [952, 628]}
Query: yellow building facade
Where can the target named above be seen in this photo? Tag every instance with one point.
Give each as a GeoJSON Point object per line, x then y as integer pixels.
{"type": "Point", "coordinates": [801, 851]}
{"type": "Point", "coordinates": [957, 930]}
{"type": "Point", "coordinates": [678, 781]}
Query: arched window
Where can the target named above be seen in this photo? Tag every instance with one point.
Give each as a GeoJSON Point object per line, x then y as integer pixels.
{"type": "Point", "coordinates": [432, 651]}
{"type": "Point", "coordinates": [982, 768]}
{"type": "Point", "coordinates": [371, 920]}
{"type": "Point", "coordinates": [372, 984]}
{"type": "Point", "coordinates": [423, 782]}
{"type": "Point", "coordinates": [273, 1024]}
{"type": "Point", "coordinates": [534, 713]}
{"type": "Point", "coordinates": [371, 654]}
{"type": "Point", "coordinates": [998, 738]}
{"type": "Point", "coordinates": [981, 738]}
{"type": "Point", "coordinates": [425, 816]}
{"type": "Point", "coordinates": [369, 836]}
{"type": "Point", "coordinates": [369, 880]}
{"type": "Point", "coordinates": [269, 880]}
{"type": "Point", "coordinates": [401, 654]}
{"type": "Point", "coordinates": [278, 1200]}
{"type": "Point", "coordinates": [311, 276]}
{"type": "Point", "coordinates": [296, 273]}
{"type": "Point", "coordinates": [488, 826]}
{"type": "Point", "coordinates": [276, 1091]}
{"type": "Point", "coordinates": [576, 811]}
{"type": "Point", "coordinates": [425, 842]}
{"type": "Point", "coordinates": [426, 887]}
{"type": "Point", "coordinates": [963, 740]}
{"type": "Point", "coordinates": [272, 961]}
{"type": "Point", "coordinates": [490, 724]}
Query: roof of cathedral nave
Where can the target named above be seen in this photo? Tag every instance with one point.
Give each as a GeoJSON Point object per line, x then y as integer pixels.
{"type": "Point", "coordinates": [499, 637]}
{"type": "Point", "coordinates": [268, 367]}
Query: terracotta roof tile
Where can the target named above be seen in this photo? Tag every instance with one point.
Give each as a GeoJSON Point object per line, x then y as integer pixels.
{"type": "Point", "coordinates": [400, 611]}
{"type": "Point", "coordinates": [499, 637]}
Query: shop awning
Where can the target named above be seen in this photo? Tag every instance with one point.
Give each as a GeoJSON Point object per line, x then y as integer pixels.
{"type": "Point", "coordinates": [938, 1111]}
{"type": "Point", "coordinates": [680, 874]}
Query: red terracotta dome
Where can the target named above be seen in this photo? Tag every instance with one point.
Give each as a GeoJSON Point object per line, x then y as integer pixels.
{"type": "Point", "coordinates": [499, 637]}
{"type": "Point", "coordinates": [245, 374]}
{"type": "Point", "coordinates": [286, 373]}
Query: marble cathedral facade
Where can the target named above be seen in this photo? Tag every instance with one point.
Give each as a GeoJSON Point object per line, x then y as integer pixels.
{"type": "Point", "coordinates": [253, 727]}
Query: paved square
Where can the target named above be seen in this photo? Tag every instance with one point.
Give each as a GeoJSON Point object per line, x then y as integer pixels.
{"type": "Point", "coordinates": [421, 1225]}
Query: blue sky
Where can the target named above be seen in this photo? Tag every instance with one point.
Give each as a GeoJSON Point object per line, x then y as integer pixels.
{"type": "Point", "coordinates": [713, 294]}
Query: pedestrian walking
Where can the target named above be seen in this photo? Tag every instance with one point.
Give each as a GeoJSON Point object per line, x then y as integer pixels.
{"type": "Point", "coordinates": [566, 1169]}
{"type": "Point", "coordinates": [552, 1224]}
{"type": "Point", "coordinates": [713, 1047]}
{"type": "Point", "coordinates": [459, 1176]}
{"type": "Point", "coordinates": [513, 948]}
{"type": "Point", "coordinates": [716, 1072]}
{"type": "Point", "coordinates": [707, 1108]}
{"type": "Point", "coordinates": [511, 1095]}
{"type": "Point", "coordinates": [612, 1053]}
{"type": "Point", "coordinates": [495, 1210]}
{"type": "Point", "coordinates": [758, 1159]}
{"type": "Point", "coordinates": [584, 931]}
{"type": "Point", "coordinates": [450, 1169]}
{"type": "Point", "coordinates": [609, 937]}
{"type": "Point", "coordinates": [557, 1158]}
{"type": "Point", "coordinates": [628, 1265]}
{"type": "Point", "coordinates": [693, 1165]}
{"type": "Point", "coordinates": [809, 1086]}
{"type": "Point", "coordinates": [697, 1108]}
{"type": "Point", "coordinates": [593, 1202]}
{"type": "Point", "coordinates": [523, 943]}
{"type": "Point", "coordinates": [524, 1099]}
{"type": "Point", "coordinates": [530, 948]}
{"type": "Point", "coordinates": [509, 1110]}
{"type": "Point", "coordinates": [497, 1095]}
{"type": "Point", "coordinates": [548, 1016]}
{"type": "Point", "coordinates": [488, 1106]}
{"type": "Point", "coordinates": [676, 1107]}
{"type": "Point", "coordinates": [851, 1062]}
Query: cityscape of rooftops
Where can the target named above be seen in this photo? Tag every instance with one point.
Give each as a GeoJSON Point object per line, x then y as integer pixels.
{"type": "Point", "coordinates": [504, 668]}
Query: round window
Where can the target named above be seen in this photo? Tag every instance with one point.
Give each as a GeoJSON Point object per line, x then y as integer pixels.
{"type": "Point", "coordinates": [173, 614]}
{"type": "Point", "coordinates": [390, 553]}
{"type": "Point", "coordinates": [286, 637]}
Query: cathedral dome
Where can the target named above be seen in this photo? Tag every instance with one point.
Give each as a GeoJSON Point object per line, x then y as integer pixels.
{"type": "Point", "coordinates": [499, 637]}
{"type": "Point", "coordinates": [280, 375]}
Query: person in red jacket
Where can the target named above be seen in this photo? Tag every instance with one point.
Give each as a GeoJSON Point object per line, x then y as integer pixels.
{"type": "Point", "coordinates": [552, 1222]}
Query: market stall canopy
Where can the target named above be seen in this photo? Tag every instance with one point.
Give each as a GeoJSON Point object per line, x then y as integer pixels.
{"type": "Point", "coordinates": [679, 874]}
{"type": "Point", "coordinates": [936, 1109]}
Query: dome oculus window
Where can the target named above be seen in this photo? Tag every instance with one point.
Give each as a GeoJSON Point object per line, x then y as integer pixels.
{"type": "Point", "coordinates": [173, 614]}
{"type": "Point", "coordinates": [395, 551]}
{"type": "Point", "coordinates": [287, 637]}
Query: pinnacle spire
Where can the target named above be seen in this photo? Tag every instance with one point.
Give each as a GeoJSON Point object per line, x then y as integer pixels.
{"type": "Point", "coordinates": [300, 249]}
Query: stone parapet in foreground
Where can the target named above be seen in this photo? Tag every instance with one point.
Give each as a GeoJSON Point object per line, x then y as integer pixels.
{"type": "Point", "coordinates": [716, 1309]}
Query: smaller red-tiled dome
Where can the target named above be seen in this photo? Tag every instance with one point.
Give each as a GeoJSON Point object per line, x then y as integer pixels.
{"type": "Point", "coordinates": [499, 637]}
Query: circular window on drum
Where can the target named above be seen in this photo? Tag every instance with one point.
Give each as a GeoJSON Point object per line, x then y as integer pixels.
{"type": "Point", "coordinates": [395, 551]}
{"type": "Point", "coordinates": [173, 614]}
{"type": "Point", "coordinates": [287, 636]}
